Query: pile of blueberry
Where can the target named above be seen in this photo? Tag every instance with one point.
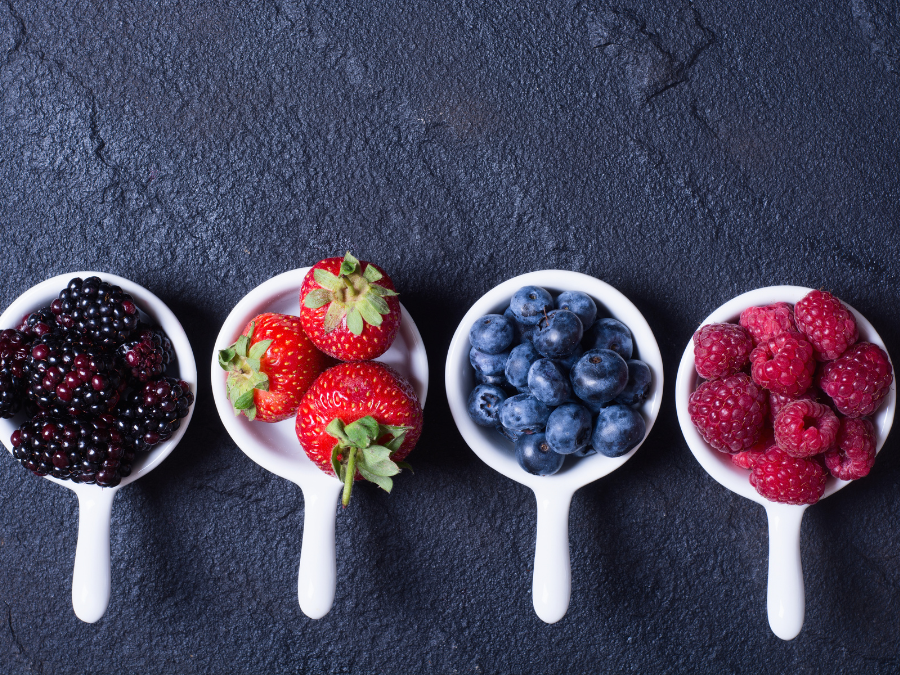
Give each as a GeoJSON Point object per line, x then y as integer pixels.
{"type": "Point", "coordinates": [557, 381]}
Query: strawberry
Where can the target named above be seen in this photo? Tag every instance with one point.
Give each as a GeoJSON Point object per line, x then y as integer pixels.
{"type": "Point", "coordinates": [270, 367]}
{"type": "Point", "coordinates": [360, 420]}
{"type": "Point", "coordinates": [345, 312]}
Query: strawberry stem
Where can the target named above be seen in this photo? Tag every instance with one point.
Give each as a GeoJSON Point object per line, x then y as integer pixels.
{"type": "Point", "coordinates": [349, 476]}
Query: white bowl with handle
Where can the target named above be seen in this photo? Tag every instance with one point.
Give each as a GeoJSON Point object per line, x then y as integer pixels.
{"type": "Point", "coordinates": [552, 579]}
{"type": "Point", "coordinates": [274, 446]}
{"type": "Point", "coordinates": [786, 598]}
{"type": "Point", "coordinates": [91, 578]}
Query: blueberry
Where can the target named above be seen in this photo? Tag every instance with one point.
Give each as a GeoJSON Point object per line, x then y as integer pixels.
{"type": "Point", "coordinates": [488, 364]}
{"type": "Point", "coordinates": [509, 434]}
{"type": "Point", "coordinates": [610, 334]}
{"type": "Point", "coordinates": [529, 304]}
{"type": "Point", "coordinates": [548, 382]}
{"type": "Point", "coordinates": [492, 333]}
{"type": "Point", "coordinates": [599, 376]}
{"type": "Point", "coordinates": [638, 385]}
{"type": "Point", "coordinates": [568, 361]}
{"type": "Point", "coordinates": [520, 359]}
{"type": "Point", "coordinates": [581, 304]}
{"type": "Point", "coordinates": [524, 413]}
{"type": "Point", "coordinates": [535, 456]}
{"type": "Point", "coordinates": [496, 380]}
{"type": "Point", "coordinates": [517, 329]}
{"type": "Point", "coordinates": [569, 429]}
{"type": "Point", "coordinates": [558, 335]}
{"type": "Point", "coordinates": [617, 430]}
{"type": "Point", "coordinates": [484, 405]}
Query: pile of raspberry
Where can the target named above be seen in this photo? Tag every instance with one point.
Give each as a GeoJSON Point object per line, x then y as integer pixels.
{"type": "Point", "coordinates": [87, 376]}
{"type": "Point", "coordinates": [789, 394]}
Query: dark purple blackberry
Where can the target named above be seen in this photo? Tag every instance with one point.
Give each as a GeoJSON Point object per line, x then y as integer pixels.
{"type": "Point", "coordinates": [146, 356]}
{"type": "Point", "coordinates": [14, 349]}
{"type": "Point", "coordinates": [97, 309]}
{"type": "Point", "coordinates": [84, 450]}
{"type": "Point", "coordinates": [67, 376]}
{"type": "Point", "coordinates": [39, 323]}
{"type": "Point", "coordinates": [151, 414]}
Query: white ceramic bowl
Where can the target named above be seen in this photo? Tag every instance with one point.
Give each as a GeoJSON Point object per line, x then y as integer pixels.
{"type": "Point", "coordinates": [551, 586]}
{"type": "Point", "coordinates": [785, 597]}
{"type": "Point", "coordinates": [275, 446]}
{"type": "Point", "coordinates": [91, 576]}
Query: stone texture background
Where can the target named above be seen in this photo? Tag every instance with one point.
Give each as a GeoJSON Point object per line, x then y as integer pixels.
{"type": "Point", "coordinates": [684, 152]}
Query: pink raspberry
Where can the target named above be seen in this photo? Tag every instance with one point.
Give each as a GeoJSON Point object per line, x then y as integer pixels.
{"type": "Point", "coordinates": [721, 349]}
{"type": "Point", "coordinates": [729, 413]}
{"type": "Point", "coordinates": [804, 428]}
{"type": "Point", "coordinates": [764, 323]}
{"type": "Point", "coordinates": [778, 401]}
{"type": "Point", "coordinates": [829, 326]}
{"type": "Point", "coordinates": [746, 459]}
{"type": "Point", "coordinates": [789, 480]}
{"type": "Point", "coordinates": [784, 364]}
{"type": "Point", "coordinates": [855, 452]}
{"type": "Point", "coordinates": [859, 380]}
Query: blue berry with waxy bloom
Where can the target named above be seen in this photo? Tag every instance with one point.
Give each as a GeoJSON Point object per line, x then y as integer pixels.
{"type": "Point", "coordinates": [517, 366]}
{"type": "Point", "coordinates": [524, 413]}
{"type": "Point", "coordinates": [599, 376]}
{"type": "Point", "coordinates": [534, 454]}
{"type": "Point", "coordinates": [569, 429]}
{"type": "Point", "coordinates": [581, 304]}
{"type": "Point", "coordinates": [488, 364]}
{"type": "Point", "coordinates": [558, 334]}
{"type": "Point", "coordinates": [638, 386]}
{"type": "Point", "coordinates": [548, 382]}
{"type": "Point", "coordinates": [492, 333]}
{"type": "Point", "coordinates": [484, 405]}
{"type": "Point", "coordinates": [530, 303]}
{"type": "Point", "coordinates": [610, 334]}
{"type": "Point", "coordinates": [496, 380]}
{"type": "Point", "coordinates": [617, 430]}
{"type": "Point", "coordinates": [517, 328]}
{"type": "Point", "coordinates": [567, 362]}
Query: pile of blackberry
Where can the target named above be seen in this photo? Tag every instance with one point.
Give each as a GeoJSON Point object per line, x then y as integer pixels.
{"type": "Point", "coordinates": [90, 378]}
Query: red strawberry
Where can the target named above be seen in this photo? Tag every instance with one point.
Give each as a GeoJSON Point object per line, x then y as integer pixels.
{"type": "Point", "coordinates": [270, 367]}
{"type": "Point", "coordinates": [345, 312]}
{"type": "Point", "coordinates": [359, 420]}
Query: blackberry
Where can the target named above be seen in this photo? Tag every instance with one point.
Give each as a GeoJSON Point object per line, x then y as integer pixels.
{"type": "Point", "coordinates": [95, 308]}
{"type": "Point", "coordinates": [83, 449]}
{"type": "Point", "coordinates": [68, 376]}
{"type": "Point", "coordinates": [14, 349]}
{"type": "Point", "coordinates": [39, 323]}
{"type": "Point", "coordinates": [151, 414]}
{"type": "Point", "coordinates": [146, 356]}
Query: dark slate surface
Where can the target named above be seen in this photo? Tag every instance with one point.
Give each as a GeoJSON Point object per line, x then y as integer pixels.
{"type": "Point", "coordinates": [682, 152]}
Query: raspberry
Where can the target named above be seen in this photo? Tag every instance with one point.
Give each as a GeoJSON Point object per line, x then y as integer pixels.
{"type": "Point", "coordinates": [784, 364]}
{"type": "Point", "coordinates": [729, 413]}
{"type": "Point", "coordinates": [746, 459]}
{"type": "Point", "coordinates": [859, 380]}
{"type": "Point", "coordinates": [804, 428]}
{"type": "Point", "coordinates": [828, 325]}
{"type": "Point", "coordinates": [721, 349]}
{"type": "Point", "coordinates": [789, 480]}
{"type": "Point", "coordinates": [855, 452]}
{"type": "Point", "coordinates": [764, 323]}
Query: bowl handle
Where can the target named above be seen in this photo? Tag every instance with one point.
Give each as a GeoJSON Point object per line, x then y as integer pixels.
{"type": "Point", "coordinates": [91, 576]}
{"type": "Point", "coordinates": [552, 581]}
{"type": "Point", "coordinates": [786, 597]}
{"type": "Point", "coordinates": [318, 570]}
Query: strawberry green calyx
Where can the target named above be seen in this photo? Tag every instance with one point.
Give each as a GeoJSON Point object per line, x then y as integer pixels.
{"type": "Point", "coordinates": [352, 293]}
{"type": "Point", "coordinates": [244, 374]}
{"type": "Point", "coordinates": [358, 449]}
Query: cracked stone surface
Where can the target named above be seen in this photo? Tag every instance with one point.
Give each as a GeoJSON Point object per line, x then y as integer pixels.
{"type": "Point", "coordinates": [684, 152]}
